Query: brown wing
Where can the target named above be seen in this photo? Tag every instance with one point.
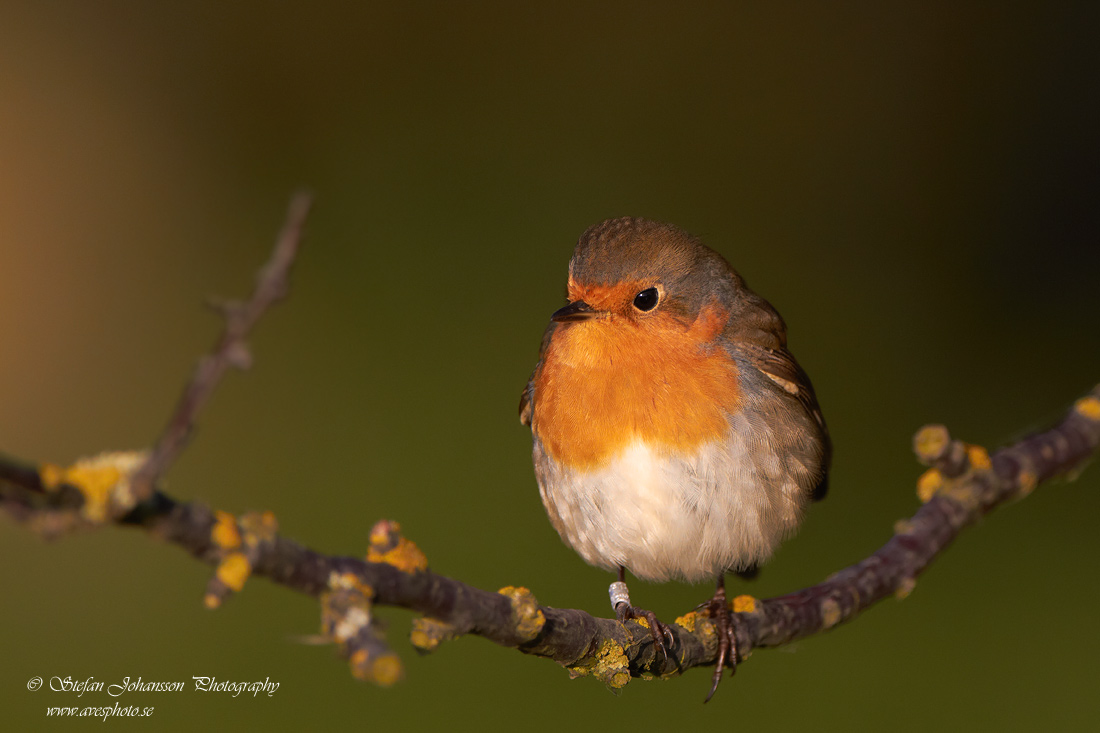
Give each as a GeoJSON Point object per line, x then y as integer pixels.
{"type": "Point", "coordinates": [526, 399]}
{"type": "Point", "coordinates": [779, 365]}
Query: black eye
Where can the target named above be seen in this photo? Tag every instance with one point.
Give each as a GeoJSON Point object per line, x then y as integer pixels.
{"type": "Point", "coordinates": [647, 299]}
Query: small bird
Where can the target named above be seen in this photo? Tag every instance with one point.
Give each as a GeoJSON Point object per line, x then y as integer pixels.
{"type": "Point", "coordinates": [675, 436]}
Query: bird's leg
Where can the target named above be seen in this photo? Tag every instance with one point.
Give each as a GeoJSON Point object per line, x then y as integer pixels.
{"type": "Point", "coordinates": [718, 609]}
{"type": "Point", "coordinates": [620, 601]}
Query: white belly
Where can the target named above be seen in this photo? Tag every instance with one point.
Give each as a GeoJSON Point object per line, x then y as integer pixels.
{"type": "Point", "coordinates": [666, 517]}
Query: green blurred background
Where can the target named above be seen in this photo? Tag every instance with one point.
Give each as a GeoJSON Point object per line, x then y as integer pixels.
{"type": "Point", "coordinates": [914, 187]}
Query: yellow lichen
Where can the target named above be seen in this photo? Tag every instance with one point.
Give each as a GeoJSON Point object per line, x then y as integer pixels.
{"type": "Point", "coordinates": [51, 475]}
{"type": "Point", "coordinates": [234, 570]}
{"type": "Point", "coordinates": [428, 633]}
{"type": "Point", "coordinates": [383, 670]}
{"type": "Point", "coordinates": [387, 670]}
{"type": "Point", "coordinates": [259, 527]}
{"type": "Point", "coordinates": [527, 618]}
{"type": "Point", "coordinates": [687, 621]}
{"type": "Point", "coordinates": [211, 601]}
{"type": "Point", "coordinates": [905, 587]}
{"type": "Point", "coordinates": [903, 526]}
{"type": "Point", "coordinates": [930, 482]}
{"type": "Point", "coordinates": [1089, 407]}
{"type": "Point", "coordinates": [350, 581]}
{"type": "Point", "coordinates": [979, 458]}
{"type": "Point", "coordinates": [103, 480]}
{"type": "Point", "coordinates": [608, 663]}
{"type": "Point", "coordinates": [744, 604]}
{"type": "Point", "coordinates": [830, 613]}
{"type": "Point", "coordinates": [930, 441]}
{"type": "Point", "coordinates": [224, 532]}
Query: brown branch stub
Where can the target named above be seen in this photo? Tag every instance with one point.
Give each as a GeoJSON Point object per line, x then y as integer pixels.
{"type": "Point", "coordinates": [231, 350]}
{"type": "Point", "coordinates": [347, 618]}
{"type": "Point", "coordinates": [238, 544]}
{"type": "Point", "coordinates": [388, 546]}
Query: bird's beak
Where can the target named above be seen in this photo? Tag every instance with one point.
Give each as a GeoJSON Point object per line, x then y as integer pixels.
{"type": "Point", "coordinates": [578, 310]}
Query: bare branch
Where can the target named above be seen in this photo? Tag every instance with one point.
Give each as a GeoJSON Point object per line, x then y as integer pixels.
{"type": "Point", "coordinates": [395, 573]}
{"type": "Point", "coordinates": [272, 285]}
{"type": "Point", "coordinates": [963, 483]}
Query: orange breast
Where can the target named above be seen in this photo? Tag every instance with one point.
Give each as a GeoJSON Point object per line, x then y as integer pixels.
{"type": "Point", "coordinates": [605, 383]}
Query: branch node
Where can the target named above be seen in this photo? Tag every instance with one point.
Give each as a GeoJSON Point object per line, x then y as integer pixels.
{"type": "Point", "coordinates": [527, 618]}
{"type": "Point", "coordinates": [428, 633]}
{"type": "Point", "coordinates": [388, 546]}
{"type": "Point", "coordinates": [346, 607]}
{"type": "Point", "coordinates": [239, 544]}
{"type": "Point", "coordinates": [373, 662]}
{"type": "Point", "coordinates": [935, 447]}
{"type": "Point", "coordinates": [239, 356]}
{"type": "Point", "coordinates": [347, 618]}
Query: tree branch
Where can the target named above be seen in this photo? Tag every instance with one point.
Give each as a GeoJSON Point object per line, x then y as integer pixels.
{"type": "Point", "coordinates": [272, 285]}
{"type": "Point", "coordinates": [963, 483]}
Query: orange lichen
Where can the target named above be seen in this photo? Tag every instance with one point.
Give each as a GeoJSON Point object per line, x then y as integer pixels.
{"type": "Point", "coordinates": [608, 382]}
{"type": "Point", "coordinates": [929, 484]}
{"type": "Point", "coordinates": [979, 458]}
{"type": "Point", "coordinates": [383, 670]}
{"type": "Point", "coordinates": [234, 570]}
{"type": "Point", "coordinates": [388, 546]}
{"type": "Point", "coordinates": [744, 604]}
{"type": "Point", "coordinates": [1089, 407]}
{"type": "Point", "coordinates": [527, 618]}
{"type": "Point", "coordinates": [687, 621]}
{"type": "Point", "coordinates": [224, 533]}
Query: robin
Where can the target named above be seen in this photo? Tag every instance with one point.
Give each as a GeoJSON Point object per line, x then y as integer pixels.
{"type": "Point", "coordinates": [675, 436]}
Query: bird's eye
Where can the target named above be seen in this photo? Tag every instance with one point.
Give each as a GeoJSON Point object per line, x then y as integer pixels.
{"type": "Point", "coordinates": [647, 299]}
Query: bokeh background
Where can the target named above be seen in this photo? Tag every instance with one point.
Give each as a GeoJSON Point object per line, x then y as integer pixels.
{"type": "Point", "coordinates": [915, 188]}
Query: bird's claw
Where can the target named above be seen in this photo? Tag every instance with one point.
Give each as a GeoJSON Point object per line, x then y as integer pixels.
{"type": "Point", "coordinates": [718, 609]}
{"type": "Point", "coordinates": [659, 631]}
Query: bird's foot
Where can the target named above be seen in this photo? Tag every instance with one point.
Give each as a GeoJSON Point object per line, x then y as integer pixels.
{"type": "Point", "coordinates": [624, 611]}
{"type": "Point", "coordinates": [718, 609]}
